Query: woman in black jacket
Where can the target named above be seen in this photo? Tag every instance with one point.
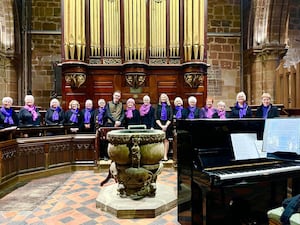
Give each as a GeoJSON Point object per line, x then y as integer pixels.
{"type": "Point", "coordinates": [266, 109]}
{"type": "Point", "coordinates": [163, 119]}
{"type": "Point", "coordinates": [55, 114]}
{"type": "Point", "coordinates": [8, 117]}
{"type": "Point", "coordinates": [241, 109]}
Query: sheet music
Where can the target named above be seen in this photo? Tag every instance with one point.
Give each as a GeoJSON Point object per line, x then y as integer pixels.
{"type": "Point", "coordinates": [245, 146]}
{"type": "Point", "coordinates": [282, 135]}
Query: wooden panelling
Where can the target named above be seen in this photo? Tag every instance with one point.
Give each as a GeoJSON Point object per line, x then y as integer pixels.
{"type": "Point", "coordinates": [31, 156]}
{"type": "Point", "coordinates": [103, 80]}
{"type": "Point", "coordinates": [28, 157]}
{"type": "Point", "coordinates": [60, 151]}
{"type": "Point", "coordinates": [8, 154]}
{"type": "Point", "coordinates": [83, 147]}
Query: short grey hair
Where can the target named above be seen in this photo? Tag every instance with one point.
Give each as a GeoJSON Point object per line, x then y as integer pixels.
{"type": "Point", "coordinates": [178, 99]}
{"type": "Point", "coordinates": [7, 99]}
{"type": "Point", "coordinates": [192, 98]}
{"type": "Point", "coordinates": [29, 97]}
{"type": "Point", "coordinates": [54, 100]}
{"type": "Point", "coordinates": [241, 94]}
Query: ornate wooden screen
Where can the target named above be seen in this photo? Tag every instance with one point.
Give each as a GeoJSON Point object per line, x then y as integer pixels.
{"type": "Point", "coordinates": [136, 46]}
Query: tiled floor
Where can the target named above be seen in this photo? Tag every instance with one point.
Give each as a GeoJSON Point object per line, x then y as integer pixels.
{"type": "Point", "coordinates": [71, 199]}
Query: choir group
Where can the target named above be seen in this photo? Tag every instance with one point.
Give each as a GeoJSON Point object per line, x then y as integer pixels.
{"type": "Point", "coordinates": [114, 114]}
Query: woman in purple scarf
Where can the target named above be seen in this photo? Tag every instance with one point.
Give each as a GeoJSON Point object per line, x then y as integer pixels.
{"type": "Point", "coordinates": [99, 115]}
{"type": "Point", "coordinates": [221, 111]}
{"type": "Point", "coordinates": [208, 110]}
{"type": "Point", "coordinates": [55, 114]}
{"type": "Point", "coordinates": [266, 109]}
{"type": "Point", "coordinates": [241, 108]}
{"type": "Point", "coordinates": [164, 117]}
{"type": "Point", "coordinates": [8, 116]}
{"type": "Point", "coordinates": [29, 114]}
{"type": "Point", "coordinates": [178, 108]}
{"type": "Point", "coordinates": [132, 115]}
{"type": "Point", "coordinates": [88, 125]}
{"type": "Point", "coordinates": [192, 111]}
{"type": "Point", "coordinates": [73, 116]}
{"type": "Point", "coordinates": [147, 113]}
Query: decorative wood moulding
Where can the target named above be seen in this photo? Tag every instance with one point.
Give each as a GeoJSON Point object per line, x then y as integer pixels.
{"type": "Point", "coordinates": [75, 80]}
{"type": "Point", "coordinates": [194, 80]}
{"type": "Point", "coordinates": [135, 80]}
{"type": "Point", "coordinates": [194, 73]}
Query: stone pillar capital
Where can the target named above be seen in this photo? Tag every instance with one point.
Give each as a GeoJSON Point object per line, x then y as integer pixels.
{"type": "Point", "coordinates": [268, 52]}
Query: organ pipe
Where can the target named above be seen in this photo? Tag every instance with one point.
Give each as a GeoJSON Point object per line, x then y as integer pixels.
{"type": "Point", "coordinates": [135, 29]}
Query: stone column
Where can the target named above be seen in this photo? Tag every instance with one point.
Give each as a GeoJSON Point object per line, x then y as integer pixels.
{"type": "Point", "coordinates": [8, 78]}
{"type": "Point", "coordinates": [262, 77]}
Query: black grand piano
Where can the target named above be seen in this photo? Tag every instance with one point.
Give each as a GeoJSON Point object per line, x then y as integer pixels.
{"type": "Point", "coordinates": [214, 188]}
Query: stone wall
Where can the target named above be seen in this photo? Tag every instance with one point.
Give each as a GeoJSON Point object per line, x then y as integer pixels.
{"type": "Point", "coordinates": [8, 55]}
{"type": "Point", "coordinates": [293, 54]}
{"type": "Point", "coordinates": [223, 49]}
{"type": "Point", "coordinates": [223, 53]}
{"type": "Point", "coordinates": [46, 47]}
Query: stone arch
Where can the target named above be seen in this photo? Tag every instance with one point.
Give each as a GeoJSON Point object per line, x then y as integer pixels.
{"type": "Point", "coordinates": [267, 45]}
{"type": "Point", "coordinates": [268, 23]}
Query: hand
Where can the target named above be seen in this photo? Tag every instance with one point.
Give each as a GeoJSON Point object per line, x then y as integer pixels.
{"type": "Point", "coordinates": [74, 130]}
{"type": "Point", "coordinates": [117, 123]}
{"type": "Point", "coordinates": [164, 128]}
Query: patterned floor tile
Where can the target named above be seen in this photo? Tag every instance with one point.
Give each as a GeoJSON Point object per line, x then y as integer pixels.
{"type": "Point", "coordinates": [70, 199]}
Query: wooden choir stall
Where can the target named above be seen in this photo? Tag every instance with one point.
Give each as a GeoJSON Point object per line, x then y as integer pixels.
{"type": "Point", "coordinates": [41, 154]}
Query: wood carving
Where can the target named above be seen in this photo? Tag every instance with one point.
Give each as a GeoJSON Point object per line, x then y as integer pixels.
{"type": "Point", "coordinates": [75, 79]}
{"type": "Point", "coordinates": [194, 80]}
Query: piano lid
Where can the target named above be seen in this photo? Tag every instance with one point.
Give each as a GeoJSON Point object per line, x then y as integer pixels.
{"type": "Point", "coordinates": [210, 139]}
{"type": "Point", "coordinates": [215, 133]}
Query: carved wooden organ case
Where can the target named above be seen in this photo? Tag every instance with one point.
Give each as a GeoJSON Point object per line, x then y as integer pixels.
{"type": "Point", "coordinates": [136, 46]}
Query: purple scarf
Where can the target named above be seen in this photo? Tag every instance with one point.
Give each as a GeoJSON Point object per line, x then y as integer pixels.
{"type": "Point", "coordinates": [32, 110]}
{"type": "Point", "coordinates": [192, 112]}
{"type": "Point", "coordinates": [163, 114]}
{"type": "Point", "coordinates": [242, 110]}
{"type": "Point", "coordinates": [222, 114]}
{"type": "Point", "coordinates": [209, 112]}
{"type": "Point", "coordinates": [129, 112]}
{"type": "Point", "coordinates": [8, 115]}
{"type": "Point", "coordinates": [74, 117]}
{"type": "Point", "coordinates": [100, 115]}
{"type": "Point", "coordinates": [87, 115]}
{"type": "Point", "coordinates": [179, 111]}
{"type": "Point", "coordinates": [55, 115]}
{"type": "Point", "coordinates": [144, 109]}
{"type": "Point", "coordinates": [265, 111]}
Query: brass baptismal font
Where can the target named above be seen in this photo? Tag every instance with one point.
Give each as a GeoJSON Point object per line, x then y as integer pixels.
{"type": "Point", "coordinates": [136, 162]}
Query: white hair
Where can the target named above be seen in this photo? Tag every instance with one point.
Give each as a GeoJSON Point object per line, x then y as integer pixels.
{"type": "Point", "coordinates": [192, 98]}
{"type": "Point", "coordinates": [241, 94]}
{"type": "Point", "coordinates": [178, 99]}
{"type": "Point", "coordinates": [101, 100]}
{"type": "Point", "coordinates": [89, 101]}
{"type": "Point", "coordinates": [221, 103]}
{"type": "Point", "coordinates": [29, 97]}
{"type": "Point", "coordinates": [54, 100]}
{"type": "Point", "coordinates": [7, 99]}
{"type": "Point", "coordinates": [146, 97]}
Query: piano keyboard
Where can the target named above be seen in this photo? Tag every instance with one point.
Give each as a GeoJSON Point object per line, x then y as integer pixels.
{"type": "Point", "coordinates": [268, 170]}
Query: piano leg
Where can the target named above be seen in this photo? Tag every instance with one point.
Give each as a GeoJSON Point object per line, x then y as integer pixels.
{"type": "Point", "coordinates": [204, 209]}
